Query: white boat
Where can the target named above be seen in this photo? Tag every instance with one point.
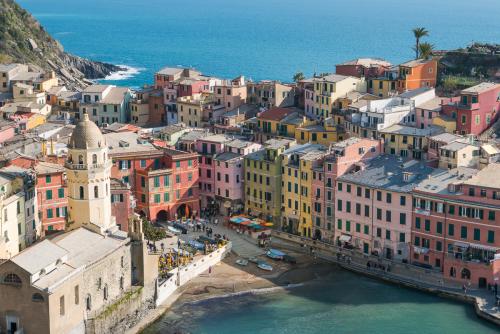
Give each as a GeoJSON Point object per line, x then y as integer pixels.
{"type": "Point", "coordinates": [265, 266]}
{"type": "Point", "coordinates": [242, 262]}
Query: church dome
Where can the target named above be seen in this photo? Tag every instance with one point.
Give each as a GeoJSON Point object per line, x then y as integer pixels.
{"type": "Point", "coordinates": [86, 135]}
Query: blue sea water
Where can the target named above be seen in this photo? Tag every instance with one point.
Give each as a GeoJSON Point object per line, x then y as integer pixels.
{"type": "Point", "coordinates": [341, 304]}
{"type": "Point", "coordinates": [262, 39]}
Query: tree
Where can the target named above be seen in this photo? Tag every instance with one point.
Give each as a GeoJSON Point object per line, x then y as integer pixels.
{"type": "Point", "coordinates": [299, 76]}
{"type": "Point", "coordinates": [425, 50]}
{"type": "Point", "coordinates": [152, 233]}
{"type": "Point", "coordinates": [419, 33]}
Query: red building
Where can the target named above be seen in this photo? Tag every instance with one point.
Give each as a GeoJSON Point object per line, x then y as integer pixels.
{"type": "Point", "coordinates": [52, 195]}
{"type": "Point", "coordinates": [163, 181]}
{"type": "Point", "coordinates": [363, 67]}
{"type": "Point", "coordinates": [456, 226]}
{"type": "Point", "coordinates": [476, 109]}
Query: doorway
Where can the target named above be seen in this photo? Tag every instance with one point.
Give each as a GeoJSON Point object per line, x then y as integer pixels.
{"type": "Point", "coordinates": [482, 283]}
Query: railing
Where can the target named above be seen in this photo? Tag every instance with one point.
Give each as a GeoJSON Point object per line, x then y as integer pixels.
{"type": "Point", "coordinates": [86, 166]}
{"type": "Point", "coordinates": [463, 258]}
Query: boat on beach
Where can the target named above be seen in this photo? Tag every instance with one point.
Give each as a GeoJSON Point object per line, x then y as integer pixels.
{"type": "Point", "coordinates": [242, 262]}
{"type": "Point", "coordinates": [173, 230]}
{"type": "Point", "coordinates": [265, 266]}
{"type": "Point", "coordinates": [275, 254]}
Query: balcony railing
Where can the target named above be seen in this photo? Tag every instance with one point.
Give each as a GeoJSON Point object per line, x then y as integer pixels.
{"type": "Point", "coordinates": [71, 165]}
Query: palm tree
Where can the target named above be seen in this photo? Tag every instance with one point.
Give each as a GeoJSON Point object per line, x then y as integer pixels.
{"type": "Point", "coordinates": [299, 76]}
{"type": "Point", "coordinates": [425, 50]}
{"type": "Point", "coordinates": [419, 33]}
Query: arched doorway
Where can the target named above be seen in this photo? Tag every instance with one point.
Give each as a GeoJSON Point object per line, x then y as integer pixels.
{"type": "Point", "coordinates": [162, 216]}
{"type": "Point", "coordinates": [183, 211]}
{"type": "Point", "coordinates": [465, 274]}
{"type": "Point", "coordinates": [317, 234]}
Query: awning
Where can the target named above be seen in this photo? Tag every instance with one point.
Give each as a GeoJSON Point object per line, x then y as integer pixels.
{"type": "Point", "coordinates": [461, 244]}
{"type": "Point", "coordinates": [483, 247]}
{"type": "Point", "coordinates": [345, 238]}
{"type": "Point", "coordinates": [420, 250]}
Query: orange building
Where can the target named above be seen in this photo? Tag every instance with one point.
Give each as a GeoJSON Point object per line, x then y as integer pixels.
{"type": "Point", "coordinates": [417, 73]}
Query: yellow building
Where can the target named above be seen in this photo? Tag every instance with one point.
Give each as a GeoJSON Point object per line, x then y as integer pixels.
{"type": "Point", "coordinates": [407, 141]}
{"type": "Point", "coordinates": [298, 200]}
{"type": "Point", "coordinates": [319, 134]}
{"type": "Point", "coordinates": [279, 122]}
{"type": "Point", "coordinates": [328, 89]}
{"type": "Point", "coordinates": [263, 180]}
{"type": "Point", "coordinates": [448, 123]}
{"type": "Point", "coordinates": [198, 110]}
{"type": "Point", "coordinates": [382, 87]}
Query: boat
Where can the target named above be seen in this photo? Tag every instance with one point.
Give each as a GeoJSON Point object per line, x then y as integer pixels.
{"type": "Point", "coordinates": [254, 260]}
{"type": "Point", "coordinates": [196, 244]}
{"type": "Point", "coordinates": [173, 230]}
{"type": "Point", "coordinates": [242, 262]}
{"type": "Point", "coordinates": [265, 266]}
{"type": "Point", "coordinates": [275, 254]}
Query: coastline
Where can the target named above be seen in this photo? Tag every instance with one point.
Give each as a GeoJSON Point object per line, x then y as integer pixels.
{"type": "Point", "coordinates": [247, 280]}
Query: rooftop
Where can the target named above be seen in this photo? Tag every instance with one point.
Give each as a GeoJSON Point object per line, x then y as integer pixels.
{"type": "Point", "coordinates": [412, 131]}
{"type": "Point", "coordinates": [445, 137]}
{"type": "Point", "coordinates": [127, 142]}
{"type": "Point", "coordinates": [439, 179]}
{"type": "Point", "coordinates": [332, 78]}
{"type": "Point", "coordinates": [487, 177]}
{"type": "Point", "coordinates": [415, 62]}
{"type": "Point", "coordinates": [170, 70]}
{"type": "Point", "coordinates": [389, 172]}
{"type": "Point", "coordinates": [455, 146]}
{"type": "Point", "coordinates": [368, 62]}
{"type": "Point", "coordinates": [276, 114]}
{"type": "Point", "coordinates": [174, 128]}
{"type": "Point", "coordinates": [96, 88]}
{"type": "Point", "coordinates": [116, 95]}
{"type": "Point", "coordinates": [482, 87]}
{"type": "Point", "coordinates": [226, 156]}
{"type": "Point", "coordinates": [43, 167]}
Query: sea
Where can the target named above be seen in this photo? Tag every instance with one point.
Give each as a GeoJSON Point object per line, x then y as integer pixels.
{"type": "Point", "coordinates": [342, 303]}
{"type": "Point", "coordinates": [261, 39]}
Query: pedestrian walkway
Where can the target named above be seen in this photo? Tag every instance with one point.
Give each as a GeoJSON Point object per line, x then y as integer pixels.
{"type": "Point", "coordinates": [404, 274]}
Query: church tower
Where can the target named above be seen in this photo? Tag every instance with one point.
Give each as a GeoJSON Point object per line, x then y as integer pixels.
{"type": "Point", "coordinates": [88, 169]}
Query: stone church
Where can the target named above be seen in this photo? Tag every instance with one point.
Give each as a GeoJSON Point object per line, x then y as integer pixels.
{"type": "Point", "coordinates": [61, 283]}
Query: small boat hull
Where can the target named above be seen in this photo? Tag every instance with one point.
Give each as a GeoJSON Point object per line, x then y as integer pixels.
{"type": "Point", "coordinates": [242, 262]}
{"type": "Point", "coordinates": [265, 266]}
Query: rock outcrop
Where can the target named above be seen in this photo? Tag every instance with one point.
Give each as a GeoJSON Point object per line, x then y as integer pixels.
{"type": "Point", "coordinates": [24, 40]}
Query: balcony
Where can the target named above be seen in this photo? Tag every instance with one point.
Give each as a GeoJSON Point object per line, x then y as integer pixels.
{"type": "Point", "coordinates": [425, 212]}
{"type": "Point", "coordinates": [73, 166]}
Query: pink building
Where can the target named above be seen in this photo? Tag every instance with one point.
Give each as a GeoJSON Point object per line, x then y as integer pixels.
{"type": "Point", "coordinates": [309, 101]}
{"type": "Point", "coordinates": [208, 147]}
{"type": "Point", "coordinates": [7, 130]}
{"type": "Point", "coordinates": [231, 93]}
{"type": "Point", "coordinates": [374, 208]}
{"type": "Point", "coordinates": [456, 224]}
{"type": "Point", "coordinates": [426, 112]}
{"type": "Point", "coordinates": [122, 203]}
{"type": "Point", "coordinates": [476, 109]}
{"type": "Point", "coordinates": [343, 157]}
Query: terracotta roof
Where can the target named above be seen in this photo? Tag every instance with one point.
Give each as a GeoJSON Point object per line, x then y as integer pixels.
{"type": "Point", "coordinates": [275, 114]}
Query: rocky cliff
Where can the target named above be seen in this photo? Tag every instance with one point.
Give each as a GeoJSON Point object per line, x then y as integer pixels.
{"type": "Point", "coordinates": [24, 40]}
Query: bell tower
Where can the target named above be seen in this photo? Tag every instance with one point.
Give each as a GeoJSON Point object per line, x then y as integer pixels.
{"type": "Point", "coordinates": [88, 169]}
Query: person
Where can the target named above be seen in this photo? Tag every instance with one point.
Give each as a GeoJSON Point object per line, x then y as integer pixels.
{"type": "Point", "coordinates": [209, 270]}
{"type": "Point", "coordinates": [464, 288]}
{"type": "Point", "coordinates": [178, 243]}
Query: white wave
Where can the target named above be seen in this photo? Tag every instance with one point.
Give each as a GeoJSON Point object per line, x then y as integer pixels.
{"type": "Point", "coordinates": [127, 73]}
{"type": "Point", "coordinates": [261, 291]}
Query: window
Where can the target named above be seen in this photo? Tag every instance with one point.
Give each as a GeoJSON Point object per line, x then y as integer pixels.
{"type": "Point", "coordinates": [48, 194]}
{"type": "Point", "coordinates": [439, 227]}
{"type": "Point", "coordinates": [402, 218]}
{"type": "Point", "coordinates": [379, 214]}
{"type": "Point", "coordinates": [177, 179]}
{"type": "Point", "coordinates": [143, 163]}
{"type": "Point", "coordinates": [367, 193]}
{"type": "Point", "coordinates": [451, 230]}
{"type": "Point", "coordinates": [379, 195]}
{"type": "Point", "coordinates": [36, 297]}
{"type": "Point", "coordinates": [105, 292]}
{"type": "Point", "coordinates": [88, 302]}
{"type": "Point", "coordinates": [388, 234]}
{"type": "Point", "coordinates": [50, 213]}
{"type": "Point", "coordinates": [61, 305]}
{"type": "Point", "coordinates": [379, 232]}
{"type": "Point", "coordinates": [339, 205]}
{"type": "Point", "coordinates": [388, 216]}
{"type": "Point", "coordinates": [96, 192]}
{"type": "Point", "coordinates": [366, 229]}
{"type": "Point", "coordinates": [463, 232]}
{"type": "Point", "coordinates": [402, 200]}
{"type": "Point", "coordinates": [358, 209]}
{"type": "Point", "coordinates": [12, 279]}
{"type": "Point", "coordinates": [491, 215]}
{"type": "Point", "coordinates": [143, 182]}
{"type": "Point", "coordinates": [358, 191]}
{"type": "Point", "coordinates": [48, 179]}
{"type": "Point", "coordinates": [402, 237]}
{"type": "Point", "coordinates": [427, 225]}
{"type": "Point", "coordinates": [166, 180]}
{"type": "Point", "coordinates": [77, 294]}
{"type": "Point", "coordinates": [367, 211]}
{"type": "Point", "coordinates": [348, 226]}
{"type": "Point", "coordinates": [157, 198]}
{"type": "Point", "coordinates": [491, 237]}
{"type": "Point", "coordinates": [156, 181]}
{"type": "Point", "coordinates": [339, 224]}
{"type": "Point", "coordinates": [60, 192]}
{"type": "Point", "coordinates": [339, 186]}
{"type": "Point", "coordinates": [389, 198]}
{"type": "Point", "coordinates": [477, 234]}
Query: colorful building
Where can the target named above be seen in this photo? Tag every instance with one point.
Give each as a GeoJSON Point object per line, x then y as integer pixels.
{"type": "Point", "coordinates": [374, 206]}
{"type": "Point", "coordinates": [279, 122]}
{"type": "Point", "coordinates": [455, 224]}
{"type": "Point", "coordinates": [416, 74]}
{"type": "Point", "coordinates": [476, 109]}
{"type": "Point", "coordinates": [51, 189]}
{"type": "Point", "coordinates": [263, 180]}
{"type": "Point", "coordinates": [363, 67]}
{"type": "Point", "coordinates": [297, 187]}
{"type": "Point", "coordinates": [271, 94]}
{"type": "Point", "coordinates": [106, 104]}
{"type": "Point", "coordinates": [231, 93]}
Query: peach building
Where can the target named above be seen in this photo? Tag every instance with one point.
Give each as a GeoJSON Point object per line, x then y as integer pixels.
{"type": "Point", "coordinates": [456, 224]}
{"type": "Point", "coordinates": [416, 74]}
{"type": "Point", "coordinates": [374, 206]}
